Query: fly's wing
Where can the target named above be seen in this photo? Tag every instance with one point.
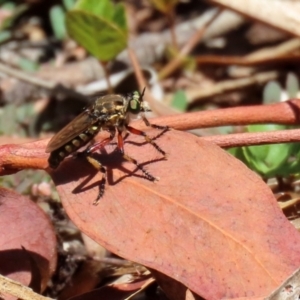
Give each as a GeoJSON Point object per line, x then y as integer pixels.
{"type": "Point", "coordinates": [70, 131]}
{"type": "Point", "coordinates": [108, 104]}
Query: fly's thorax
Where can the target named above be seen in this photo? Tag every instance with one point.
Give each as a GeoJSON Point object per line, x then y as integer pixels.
{"type": "Point", "coordinates": [111, 111]}
{"type": "Point", "coordinates": [114, 121]}
{"type": "Point", "coordinates": [110, 105]}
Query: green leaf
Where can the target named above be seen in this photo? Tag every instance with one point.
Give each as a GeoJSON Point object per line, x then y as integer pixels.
{"type": "Point", "coordinates": [100, 27]}
{"type": "Point", "coordinates": [270, 160]}
{"type": "Point", "coordinates": [28, 65]}
{"type": "Point", "coordinates": [164, 5]}
{"type": "Point", "coordinates": [5, 35]}
{"type": "Point", "coordinates": [102, 8]}
{"type": "Point", "coordinates": [120, 17]}
{"type": "Point", "coordinates": [292, 85]}
{"type": "Point", "coordinates": [14, 120]}
{"type": "Point", "coordinates": [69, 4]}
{"type": "Point", "coordinates": [25, 113]}
{"type": "Point", "coordinates": [8, 124]}
{"type": "Point", "coordinates": [7, 5]}
{"type": "Point", "coordinates": [179, 100]}
{"type": "Point", "coordinates": [57, 17]}
{"type": "Point", "coordinates": [16, 13]}
{"type": "Point", "coordinates": [272, 92]}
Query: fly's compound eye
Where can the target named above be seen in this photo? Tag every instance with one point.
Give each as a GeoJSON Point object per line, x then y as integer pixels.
{"type": "Point", "coordinates": [135, 106]}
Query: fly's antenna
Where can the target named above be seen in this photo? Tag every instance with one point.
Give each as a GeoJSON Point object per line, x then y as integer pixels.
{"type": "Point", "coordinates": [142, 94]}
{"type": "Point", "coordinates": [144, 106]}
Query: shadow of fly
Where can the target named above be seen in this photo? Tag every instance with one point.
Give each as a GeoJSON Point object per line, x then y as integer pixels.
{"type": "Point", "coordinates": [108, 113]}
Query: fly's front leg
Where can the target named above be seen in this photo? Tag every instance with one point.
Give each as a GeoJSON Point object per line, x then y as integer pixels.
{"type": "Point", "coordinates": [147, 138]}
{"type": "Point", "coordinates": [97, 164]}
{"type": "Point", "coordinates": [131, 159]}
{"type": "Point", "coordinates": [99, 145]}
{"type": "Point", "coordinates": [147, 123]}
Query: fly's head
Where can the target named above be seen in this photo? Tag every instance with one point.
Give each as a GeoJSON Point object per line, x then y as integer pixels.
{"type": "Point", "coordinates": [136, 103]}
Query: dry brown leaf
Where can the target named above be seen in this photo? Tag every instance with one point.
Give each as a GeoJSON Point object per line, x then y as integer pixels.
{"type": "Point", "coordinates": [117, 291]}
{"type": "Point", "coordinates": [280, 14]}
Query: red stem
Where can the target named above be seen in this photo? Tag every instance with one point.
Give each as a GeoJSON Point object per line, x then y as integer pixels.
{"type": "Point", "coordinates": [32, 155]}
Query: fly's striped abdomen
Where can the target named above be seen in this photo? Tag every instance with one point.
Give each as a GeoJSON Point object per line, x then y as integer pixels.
{"type": "Point", "coordinates": [62, 152]}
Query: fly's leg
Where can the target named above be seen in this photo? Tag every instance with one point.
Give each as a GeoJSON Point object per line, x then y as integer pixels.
{"type": "Point", "coordinates": [96, 146]}
{"type": "Point", "coordinates": [97, 164]}
{"type": "Point", "coordinates": [147, 138]}
{"type": "Point", "coordinates": [162, 128]}
{"type": "Point", "coordinates": [147, 123]}
{"type": "Point", "coordinates": [131, 159]}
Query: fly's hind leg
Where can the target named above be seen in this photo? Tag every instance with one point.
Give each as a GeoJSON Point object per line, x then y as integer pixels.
{"type": "Point", "coordinates": [131, 159]}
{"type": "Point", "coordinates": [98, 166]}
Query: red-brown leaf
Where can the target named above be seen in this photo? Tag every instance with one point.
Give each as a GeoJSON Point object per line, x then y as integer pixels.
{"type": "Point", "coordinates": [27, 241]}
{"type": "Point", "coordinates": [209, 222]}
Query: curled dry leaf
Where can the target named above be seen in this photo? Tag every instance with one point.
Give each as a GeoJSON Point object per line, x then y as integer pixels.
{"type": "Point", "coordinates": [209, 222]}
{"type": "Point", "coordinates": [27, 241]}
{"type": "Point", "coordinates": [117, 291]}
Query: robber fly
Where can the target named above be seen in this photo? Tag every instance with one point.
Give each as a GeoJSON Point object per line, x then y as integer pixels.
{"type": "Point", "coordinates": [109, 113]}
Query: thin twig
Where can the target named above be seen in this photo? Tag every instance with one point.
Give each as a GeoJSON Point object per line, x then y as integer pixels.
{"type": "Point", "coordinates": [12, 156]}
{"type": "Point", "coordinates": [269, 55]}
{"type": "Point", "coordinates": [18, 290]}
{"type": "Point", "coordinates": [156, 106]}
{"type": "Point", "coordinates": [137, 69]}
{"type": "Point", "coordinates": [24, 76]}
{"type": "Point", "coordinates": [286, 113]}
{"type": "Point", "coordinates": [226, 86]}
{"type": "Point", "coordinates": [255, 138]}
{"type": "Point", "coordinates": [190, 45]}
{"type": "Point", "coordinates": [171, 20]}
{"type": "Point", "coordinates": [107, 77]}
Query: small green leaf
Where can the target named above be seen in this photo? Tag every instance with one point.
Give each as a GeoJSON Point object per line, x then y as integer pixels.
{"type": "Point", "coordinates": [164, 5]}
{"type": "Point", "coordinates": [272, 92]}
{"type": "Point", "coordinates": [8, 124]}
{"type": "Point", "coordinates": [270, 160]}
{"type": "Point", "coordinates": [120, 17]}
{"type": "Point", "coordinates": [57, 17]}
{"type": "Point", "coordinates": [292, 85]}
{"type": "Point", "coordinates": [5, 35]}
{"type": "Point", "coordinates": [16, 13]}
{"type": "Point", "coordinates": [69, 4]}
{"type": "Point", "coordinates": [180, 100]}
{"type": "Point", "coordinates": [106, 10]}
{"type": "Point", "coordinates": [100, 27]}
{"type": "Point", "coordinates": [25, 112]}
{"type": "Point", "coordinates": [188, 62]}
{"type": "Point", "coordinates": [28, 65]}
{"type": "Point", "coordinates": [7, 5]}
{"type": "Point", "coordinates": [266, 159]}
{"type": "Point", "coordinates": [102, 8]}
